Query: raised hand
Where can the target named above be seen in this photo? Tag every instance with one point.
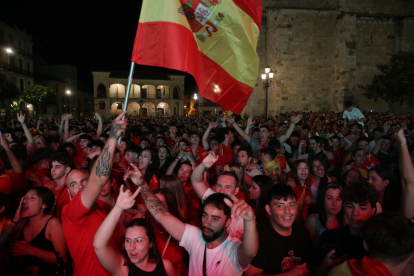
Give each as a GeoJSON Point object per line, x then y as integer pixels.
{"type": "Point", "coordinates": [135, 175]}
{"type": "Point", "coordinates": [3, 141]}
{"type": "Point", "coordinates": [296, 119]}
{"type": "Point", "coordinates": [126, 199]}
{"type": "Point", "coordinates": [230, 119]}
{"type": "Point", "coordinates": [212, 125]}
{"type": "Point", "coordinates": [399, 137]}
{"type": "Point", "coordinates": [181, 155]}
{"type": "Point", "coordinates": [250, 120]}
{"type": "Point", "coordinates": [239, 208]}
{"type": "Point", "coordinates": [118, 126]}
{"type": "Point", "coordinates": [17, 216]}
{"type": "Point", "coordinates": [210, 159]}
{"type": "Point", "coordinates": [97, 116]}
{"type": "Point", "coordinates": [21, 117]}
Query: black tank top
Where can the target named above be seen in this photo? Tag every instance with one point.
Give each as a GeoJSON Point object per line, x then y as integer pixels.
{"type": "Point", "coordinates": [158, 271]}
{"type": "Point", "coordinates": [41, 242]}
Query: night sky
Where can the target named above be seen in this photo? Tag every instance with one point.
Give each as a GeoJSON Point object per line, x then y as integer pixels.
{"type": "Point", "coordinates": [90, 34]}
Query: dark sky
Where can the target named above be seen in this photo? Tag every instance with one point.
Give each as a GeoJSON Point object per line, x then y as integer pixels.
{"type": "Point", "coordinates": [90, 34]}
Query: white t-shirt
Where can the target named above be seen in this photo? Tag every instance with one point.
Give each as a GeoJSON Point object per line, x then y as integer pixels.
{"type": "Point", "coordinates": [221, 260]}
{"type": "Point", "coordinates": [354, 114]}
{"type": "Point", "coordinates": [236, 227]}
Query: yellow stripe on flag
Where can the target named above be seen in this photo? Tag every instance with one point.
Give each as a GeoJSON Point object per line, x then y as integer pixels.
{"type": "Point", "coordinates": [236, 35]}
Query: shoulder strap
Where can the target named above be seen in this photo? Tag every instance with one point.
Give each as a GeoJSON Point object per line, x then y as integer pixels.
{"type": "Point", "coordinates": [204, 261]}
{"type": "Point", "coordinates": [54, 209]}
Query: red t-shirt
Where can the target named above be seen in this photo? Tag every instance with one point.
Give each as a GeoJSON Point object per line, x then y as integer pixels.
{"type": "Point", "coordinates": [11, 183]}
{"type": "Point", "coordinates": [43, 173]}
{"type": "Point", "coordinates": [170, 143]}
{"type": "Point", "coordinates": [199, 154]}
{"type": "Point", "coordinates": [62, 197]}
{"type": "Point", "coordinates": [339, 155]}
{"type": "Point", "coordinates": [225, 155]}
{"type": "Point", "coordinates": [80, 157]}
{"type": "Point", "coordinates": [371, 161]}
{"type": "Point", "coordinates": [79, 227]}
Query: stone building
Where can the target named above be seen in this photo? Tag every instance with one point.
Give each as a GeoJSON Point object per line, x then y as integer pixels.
{"type": "Point", "coordinates": [321, 50]}
{"type": "Point", "coordinates": [151, 93]}
{"type": "Point", "coordinates": [16, 63]}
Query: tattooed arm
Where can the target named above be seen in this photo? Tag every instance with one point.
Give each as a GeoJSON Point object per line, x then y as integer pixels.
{"type": "Point", "coordinates": [102, 168]}
{"type": "Point", "coordinates": [157, 209]}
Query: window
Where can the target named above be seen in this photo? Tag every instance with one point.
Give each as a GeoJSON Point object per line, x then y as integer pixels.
{"type": "Point", "coordinates": [102, 105]}
{"type": "Point", "coordinates": [63, 99]}
{"type": "Point", "coordinates": [28, 67]}
{"type": "Point", "coordinates": [21, 85]}
{"type": "Point", "coordinates": [176, 91]}
{"type": "Point", "coordinates": [188, 105]}
{"type": "Point", "coordinates": [101, 91]}
{"type": "Point", "coordinates": [28, 83]}
{"type": "Point", "coordinates": [158, 93]}
{"type": "Point", "coordinates": [119, 106]}
{"type": "Point", "coordinates": [144, 93]}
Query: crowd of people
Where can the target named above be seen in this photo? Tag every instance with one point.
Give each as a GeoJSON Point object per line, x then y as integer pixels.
{"type": "Point", "coordinates": [301, 193]}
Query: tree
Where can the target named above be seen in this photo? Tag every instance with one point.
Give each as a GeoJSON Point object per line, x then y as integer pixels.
{"type": "Point", "coordinates": [7, 89]}
{"type": "Point", "coordinates": [39, 96]}
{"type": "Point", "coordinates": [395, 83]}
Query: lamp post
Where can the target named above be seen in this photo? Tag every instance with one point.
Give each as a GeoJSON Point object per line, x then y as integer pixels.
{"type": "Point", "coordinates": [267, 78]}
{"type": "Point", "coordinates": [70, 100]}
{"type": "Point", "coordinates": [8, 51]}
{"type": "Point", "coordinates": [195, 103]}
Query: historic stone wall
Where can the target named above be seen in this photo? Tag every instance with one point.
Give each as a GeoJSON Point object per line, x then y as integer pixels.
{"type": "Point", "coordinates": [322, 50]}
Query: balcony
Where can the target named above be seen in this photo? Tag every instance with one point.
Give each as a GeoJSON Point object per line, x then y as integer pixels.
{"type": "Point", "coordinates": [15, 69]}
{"type": "Point", "coordinates": [25, 53]}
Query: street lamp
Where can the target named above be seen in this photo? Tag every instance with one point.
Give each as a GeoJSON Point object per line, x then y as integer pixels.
{"type": "Point", "coordinates": [70, 100]}
{"type": "Point", "coordinates": [8, 51]}
{"type": "Point", "coordinates": [195, 103]}
{"type": "Point", "coordinates": [267, 78]}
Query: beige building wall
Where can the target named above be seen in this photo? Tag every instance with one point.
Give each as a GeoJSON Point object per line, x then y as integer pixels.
{"type": "Point", "coordinates": [321, 51]}
{"type": "Point", "coordinates": [110, 90]}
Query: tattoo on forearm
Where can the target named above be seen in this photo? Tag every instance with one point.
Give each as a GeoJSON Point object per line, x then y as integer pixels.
{"type": "Point", "coordinates": [103, 167]}
{"type": "Point", "coordinates": [154, 205]}
{"type": "Point", "coordinates": [114, 130]}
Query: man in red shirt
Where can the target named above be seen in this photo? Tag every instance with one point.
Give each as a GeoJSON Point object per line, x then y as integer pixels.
{"type": "Point", "coordinates": [224, 152]}
{"type": "Point", "coordinates": [82, 217]}
{"type": "Point", "coordinates": [195, 147]}
{"type": "Point", "coordinates": [60, 166]}
{"type": "Point", "coordinates": [39, 174]}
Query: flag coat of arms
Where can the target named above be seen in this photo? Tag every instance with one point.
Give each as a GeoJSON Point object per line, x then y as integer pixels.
{"type": "Point", "coordinates": [213, 40]}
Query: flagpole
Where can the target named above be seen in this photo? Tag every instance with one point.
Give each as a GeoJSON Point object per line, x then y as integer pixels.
{"type": "Point", "coordinates": [131, 73]}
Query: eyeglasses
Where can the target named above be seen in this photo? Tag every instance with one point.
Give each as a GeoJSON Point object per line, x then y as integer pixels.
{"type": "Point", "coordinates": [136, 242]}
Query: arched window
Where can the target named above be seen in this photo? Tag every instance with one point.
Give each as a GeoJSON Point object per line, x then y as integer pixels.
{"type": "Point", "coordinates": [176, 92]}
{"type": "Point", "coordinates": [101, 91]}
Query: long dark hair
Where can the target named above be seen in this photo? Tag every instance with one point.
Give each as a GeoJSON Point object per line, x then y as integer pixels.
{"type": "Point", "coordinates": [153, 166]}
{"type": "Point", "coordinates": [392, 193]}
{"type": "Point", "coordinates": [171, 201]}
{"type": "Point", "coordinates": [154, 255]}
{"type": "Point", "coordinates": [321, 204]}
{"type": "Point", "coordinates": [265, 183]}
{"type": "Point", "coordinates": [295, 173]}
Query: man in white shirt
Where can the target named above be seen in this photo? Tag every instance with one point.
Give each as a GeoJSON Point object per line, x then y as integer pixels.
{"type": "Point", "coordinates": [211, 250]}
{"type": "Point", "coordinates": [353, 114]}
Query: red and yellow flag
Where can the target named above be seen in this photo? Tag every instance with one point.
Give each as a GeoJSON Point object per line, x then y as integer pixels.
{"type": "Point", "coordinates": [213, 40]}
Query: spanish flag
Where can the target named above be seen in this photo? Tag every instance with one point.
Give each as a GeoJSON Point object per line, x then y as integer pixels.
{"type": "Point", "coordinates": [213, 40]}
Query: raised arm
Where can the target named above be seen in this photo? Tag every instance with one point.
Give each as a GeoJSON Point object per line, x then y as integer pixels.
{"type": "Point", "coordinates": [406, 174]}
{"type": "Point", "coordinates": [248, 249]}
{"type": "Point", "coordinates": [14, 162]}
{"type": "Point", "coordinates": [62, 122]}
{"type": "Point", "coordinates": [99, 130]}
{"type": "Point", "coordinates": [293, 122]}
{"type": "Point", "coordinates": [205, 136]}
{"type": "Point", "coordinates": [377, 147]}
{"type": "Point", "coordinates": [156, 208]}
{"type": "Point", "coordinates": [238, 129]}
{"type": "Point", "coordinates": [72, 138]}
{"type": "Point", "coordinates": [66, 129]}
{"type": "Point", "coordinates": [197, 177]}
{"type": "Point", "coordinates": [348, 142]}
{"type": "Point", "coordinates": [102, 168]}
{"type": "Point", "coordinates": [110, 259]}
{"type": "Point", "coordinates": [171, 168]}
{"type": "Point", "coordinates": [29, 136]}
